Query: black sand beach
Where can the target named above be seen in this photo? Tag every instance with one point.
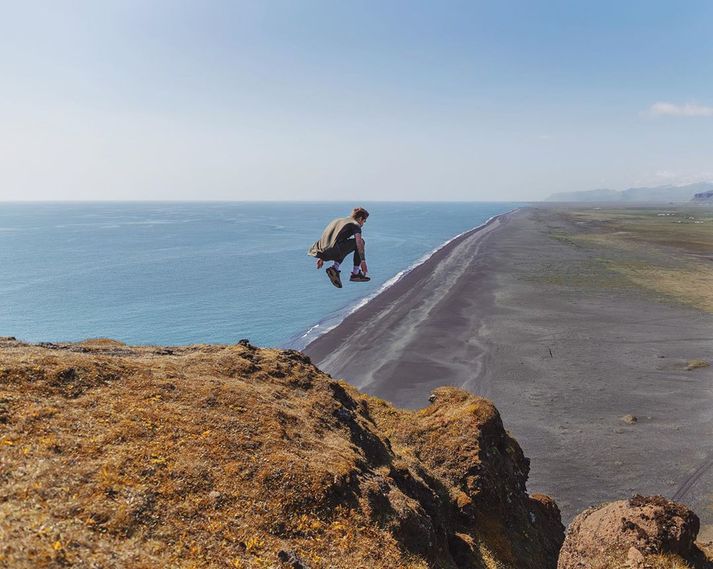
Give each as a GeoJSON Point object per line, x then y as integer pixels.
{"type": "Point", "coordinates": [506, 313]}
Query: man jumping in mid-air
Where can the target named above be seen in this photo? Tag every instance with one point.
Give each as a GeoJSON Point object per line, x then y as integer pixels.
{"type": "Point", "coordinates": [336, 243]}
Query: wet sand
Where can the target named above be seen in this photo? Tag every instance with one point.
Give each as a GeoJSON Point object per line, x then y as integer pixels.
{"type": "Point", "coordinates": [563, 363]}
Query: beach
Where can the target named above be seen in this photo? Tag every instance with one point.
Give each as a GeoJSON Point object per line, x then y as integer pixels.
{"type": "Point", "coordinates": [590, 371]}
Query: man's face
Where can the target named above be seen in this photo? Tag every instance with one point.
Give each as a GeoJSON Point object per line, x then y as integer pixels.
{"type": "Point", "coordinates": [361, 222]}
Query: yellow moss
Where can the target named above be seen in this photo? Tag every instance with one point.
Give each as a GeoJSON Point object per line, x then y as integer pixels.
{"type": "Point", "coordinates": [254, 544]}
{"type": "Point", "coordinates": [692, 286]}
{"type": "Point", "coordinates": [696, 364]}
{"type": "Point", "coordinates": [174, 462]}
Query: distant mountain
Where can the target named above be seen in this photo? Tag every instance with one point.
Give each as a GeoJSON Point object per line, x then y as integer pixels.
{"type": "Point", "coordinates": [706, 197]}
{"type": "Point", "coordinates": [656, 194]}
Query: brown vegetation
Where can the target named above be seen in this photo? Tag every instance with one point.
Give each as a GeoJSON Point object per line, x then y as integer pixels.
{"type": "Point", "coordinates": [696, 364]}
{"type": "Point", "coordinates": [233, 456]}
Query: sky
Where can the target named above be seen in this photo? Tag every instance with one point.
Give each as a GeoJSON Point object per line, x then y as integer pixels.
{"type": "Point", "coordinates": [343, 100]}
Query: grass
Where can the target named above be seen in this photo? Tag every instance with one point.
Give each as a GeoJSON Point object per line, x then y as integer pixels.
{"type": "Point", "coordinates": [687, 229]}
{"type": "Point", "coordinates": [666, 252]}
{"type": "Point", "coordinates": [696, 364]}
{"type": "Point", "coordinates": [182, 460]}
{"type": "Point", "coordinates": [231, 456]}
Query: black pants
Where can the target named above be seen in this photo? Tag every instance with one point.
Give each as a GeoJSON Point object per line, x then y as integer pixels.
{"type": "Point", "coordinates": [340, 251]}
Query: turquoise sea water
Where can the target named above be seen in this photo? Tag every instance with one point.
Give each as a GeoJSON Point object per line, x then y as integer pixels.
{"type": "Point", "coordinates": [186, 272]}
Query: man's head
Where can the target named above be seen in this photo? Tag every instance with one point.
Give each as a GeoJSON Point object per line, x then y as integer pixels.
{"type": "Point", "coordinates": [360, 214]}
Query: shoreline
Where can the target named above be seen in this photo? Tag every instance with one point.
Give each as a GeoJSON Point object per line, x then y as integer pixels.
{"type": "Point", "coordinates": [565, 348]}
{"type": "Point", "coordinates": [324, 345]}
{"type": "Point", "coordinates": [340, 316]}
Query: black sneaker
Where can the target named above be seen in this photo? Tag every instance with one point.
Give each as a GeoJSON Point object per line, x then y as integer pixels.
{"type": "Point", "coordinates": [359, 278]}
{"type": "Point", "coordinates": [333, 275]}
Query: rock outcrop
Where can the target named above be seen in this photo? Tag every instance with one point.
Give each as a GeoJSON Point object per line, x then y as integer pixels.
{"type": "Point", "coordinates": [234, 456]}
{"type": "Point", "coordinates": [640, 533]}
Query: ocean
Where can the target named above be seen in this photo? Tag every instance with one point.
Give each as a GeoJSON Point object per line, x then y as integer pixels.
{"type": "Point", "coordinates": [187, 272]}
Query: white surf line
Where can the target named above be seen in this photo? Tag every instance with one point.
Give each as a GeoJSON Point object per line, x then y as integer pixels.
{"type": "Point", "coordinates": [304, 340]}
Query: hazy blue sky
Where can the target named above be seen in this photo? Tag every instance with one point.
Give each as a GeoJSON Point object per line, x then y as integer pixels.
{"type": "Point", "coordinates": [499, 100]}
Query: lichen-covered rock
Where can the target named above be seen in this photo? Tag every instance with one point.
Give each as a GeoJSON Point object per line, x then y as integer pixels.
{"type": "Point", "coordinates": [637, 533]}
{"type": "Point", "coordinates": [460, 439]}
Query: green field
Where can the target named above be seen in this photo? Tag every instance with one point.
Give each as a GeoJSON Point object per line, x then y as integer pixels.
{"type": "Point", "coordinates": [667, 251]}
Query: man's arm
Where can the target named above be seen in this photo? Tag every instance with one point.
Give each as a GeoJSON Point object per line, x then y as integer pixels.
{"type": "Point", "coordinates": [360, 249]}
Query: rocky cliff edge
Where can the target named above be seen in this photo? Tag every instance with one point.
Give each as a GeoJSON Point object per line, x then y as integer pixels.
{"type": "Point", "coordinates": [234, 456]}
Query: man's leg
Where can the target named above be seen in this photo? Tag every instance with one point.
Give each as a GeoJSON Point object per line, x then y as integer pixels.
{"type": "Point", "coordinates": [341, 250]}
{"type": "Point", "coordinates": [357, 260]}
{"type": "Point", "coordinates": [337, 255]}
{"type": "Point", "coordinates": [357, 275]}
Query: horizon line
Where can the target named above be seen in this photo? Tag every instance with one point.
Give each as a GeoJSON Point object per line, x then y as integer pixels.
{"type": "Point", "coordinates": [264, 201]}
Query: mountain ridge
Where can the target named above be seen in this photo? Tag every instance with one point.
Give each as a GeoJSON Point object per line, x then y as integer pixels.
{"type": "Point", "coordinates": [664, 193]}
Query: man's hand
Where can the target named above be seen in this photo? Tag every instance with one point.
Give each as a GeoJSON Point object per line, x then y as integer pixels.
{"type": "Point", "coordinates": [363, 267]}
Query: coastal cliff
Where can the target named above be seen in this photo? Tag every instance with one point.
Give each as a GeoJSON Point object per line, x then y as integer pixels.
{"type": "Point", "coordinates": [235, 456]}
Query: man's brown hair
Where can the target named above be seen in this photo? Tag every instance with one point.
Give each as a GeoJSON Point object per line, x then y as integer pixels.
{"type": "Point", "coordinates": [359, 213]}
